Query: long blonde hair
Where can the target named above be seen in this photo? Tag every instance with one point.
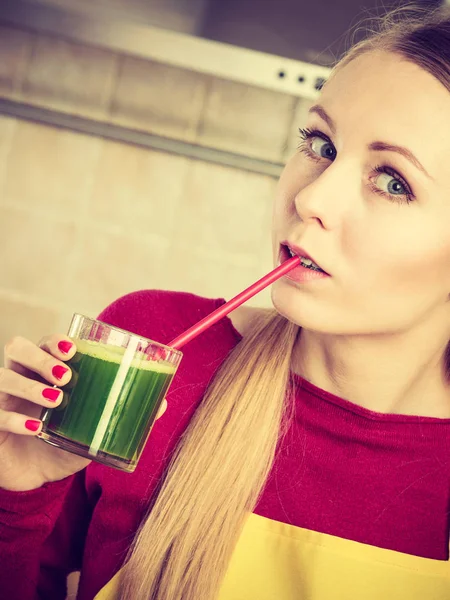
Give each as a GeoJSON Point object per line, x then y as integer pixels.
{"type": "Point", "coordinates": [222, 461]}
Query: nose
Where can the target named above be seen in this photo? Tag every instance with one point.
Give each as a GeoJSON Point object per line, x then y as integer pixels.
{"type": "Point", "coordinates": [323, 199]}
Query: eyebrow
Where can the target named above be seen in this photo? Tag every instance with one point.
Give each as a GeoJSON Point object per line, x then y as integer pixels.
{"type": "Point", "coordinates": [375, 146]}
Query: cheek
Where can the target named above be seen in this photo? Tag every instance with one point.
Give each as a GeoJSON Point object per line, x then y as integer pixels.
{"type": "Point", "coordinates": [281, 205]}
{"type": "Point", "coordinates": [291, 181]}
{"type": "Point", "coordinates": [280, 213]}
{"type": "Point", "coordinates": [431, 265]}
{"type": "Point", "coordinates": [402, 256]}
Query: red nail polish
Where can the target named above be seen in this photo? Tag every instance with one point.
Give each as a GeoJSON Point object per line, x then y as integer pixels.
{"type": "Point", "coordinates": [65, 346]}
{"type": "Point", "coordinates": [32, 425]}
{"type": "Point", "coordinates": [58, 371]}
{"type": "Point", "coordinates": [51, 394]}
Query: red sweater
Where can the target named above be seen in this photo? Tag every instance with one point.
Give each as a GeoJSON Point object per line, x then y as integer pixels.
{"type": "Point", "coordinates": [376, 478]}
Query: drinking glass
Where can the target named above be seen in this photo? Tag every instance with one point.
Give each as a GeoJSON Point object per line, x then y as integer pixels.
{"type": "Point", "coordinates": [109, 406]}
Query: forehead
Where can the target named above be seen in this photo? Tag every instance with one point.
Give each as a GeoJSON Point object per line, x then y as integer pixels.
{"type": "Point", "coordinates": [381, 96]}
{"type": "Point", "coordinates": [386, 82]}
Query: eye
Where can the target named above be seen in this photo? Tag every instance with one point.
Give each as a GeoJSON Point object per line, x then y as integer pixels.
{"type": "Point", "coordinates": [397, 188]}
{"type": "Point", "coordinates": [317, 146]}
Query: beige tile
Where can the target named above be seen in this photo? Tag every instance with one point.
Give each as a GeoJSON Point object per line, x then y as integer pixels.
{"type": "Point", "coordinates": [35, 251]}
{"type": "Point", "coordinates": [20, 318]}
{"type": "Point", "coordinates": [300, 119]}
{"type": "Point", "coordinates": [7, 128]}
{"type": "Point", "coordinates": [246, 120]}
{"type": "Point", "coordinates": [189, 269]}
{"type": "Point", "coordinates": [266, 265]}
{"type": "Point", "coordinates": [224, 211]}
{"type": "Point", "coordinates": [15, 48]}
{"type": "Point", "coordinates": [138, 189]}
{"type": "Point", "coordinates": [262, 300]}
{"type": "Point", "coordinates": [51, 169]}
{"type": "Point", "coordinates": [265, 254]}
{"type": "Point", "coordinates": [65, 315]}
{"type": "Point", "coordinates": [159, 98]}
{"type": "Point", "coordinates": [70, 77]}
{"type": "Point", "coordinates": [110, 265]}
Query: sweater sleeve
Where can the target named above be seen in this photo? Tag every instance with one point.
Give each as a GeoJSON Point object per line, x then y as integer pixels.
{"type": "Point", "coordinates": [42, 536]}
{"type": "Point", "coordinates": [43, 532]}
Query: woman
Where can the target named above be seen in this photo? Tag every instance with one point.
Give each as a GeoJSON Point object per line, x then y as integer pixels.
{"type": "Point", "coordinates": [305, 452]}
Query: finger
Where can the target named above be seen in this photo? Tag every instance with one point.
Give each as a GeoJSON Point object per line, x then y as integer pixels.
{"type": "Point", "coordinates": [23, 352]}
{"type": "Point", "coordinates": [162, 409]}
{"type": "Point", "coordinates": [28, 389]}
{"type": "Point", "coordinates": [13, 422]}
{"type": "Point", "coordinates": [59, 346]}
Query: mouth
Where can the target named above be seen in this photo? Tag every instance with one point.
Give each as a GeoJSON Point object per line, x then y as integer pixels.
{"type": "Point", "coordinates": [288, 250]}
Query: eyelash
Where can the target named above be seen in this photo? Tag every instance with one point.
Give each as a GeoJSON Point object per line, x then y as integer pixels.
{"type": "Point", "coordinates": [304, 146]}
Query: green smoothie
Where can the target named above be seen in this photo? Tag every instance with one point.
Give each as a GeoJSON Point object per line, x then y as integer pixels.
{"type": "Point", "coordinates": [109, 406]}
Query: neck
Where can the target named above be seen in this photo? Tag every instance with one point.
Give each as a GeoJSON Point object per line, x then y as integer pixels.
{"type": "Point", "coordinates": [400, 374]}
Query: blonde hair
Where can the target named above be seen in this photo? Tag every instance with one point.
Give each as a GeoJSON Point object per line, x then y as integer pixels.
{"type": "Point", "coordinates": [222, 461]}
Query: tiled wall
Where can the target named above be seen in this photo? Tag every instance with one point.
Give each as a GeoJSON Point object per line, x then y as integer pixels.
{"type": "Point", "coordinates": [84, 220]}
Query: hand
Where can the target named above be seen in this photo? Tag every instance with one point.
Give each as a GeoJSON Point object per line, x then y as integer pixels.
{"type": "Point", "coordinates": [26, 386]}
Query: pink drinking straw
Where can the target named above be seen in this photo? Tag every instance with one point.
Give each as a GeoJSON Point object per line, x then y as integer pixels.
{"type": "Point", "coordinates": [222, 311]}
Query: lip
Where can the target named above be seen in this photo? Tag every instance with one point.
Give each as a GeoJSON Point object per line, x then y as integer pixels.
{"type": "Point", "coordinates": [301, 252]}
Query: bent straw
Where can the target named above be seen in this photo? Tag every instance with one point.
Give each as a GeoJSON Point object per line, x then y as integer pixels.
{"type": "Point", "coordinates": [223, 310]}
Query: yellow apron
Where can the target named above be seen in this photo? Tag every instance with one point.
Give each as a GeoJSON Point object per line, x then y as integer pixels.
{"type": "Point", "coordinates": [277, 561]}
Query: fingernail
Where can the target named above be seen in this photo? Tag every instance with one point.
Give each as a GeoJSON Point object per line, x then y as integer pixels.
{"type": "Point", "coordinates": [65, 346]}
{"type": "Point", "coordinates": [51, 394]}
{"type": "Point", "coordinates": [32, 425]}
{"type": "Point", "coordinates": [58, 371]}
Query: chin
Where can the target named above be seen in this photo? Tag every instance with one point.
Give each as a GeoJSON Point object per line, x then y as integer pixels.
{"type": "Point", "coordinates": [288, 302]}
{"type": "Point", "coordinates": [310, 314]}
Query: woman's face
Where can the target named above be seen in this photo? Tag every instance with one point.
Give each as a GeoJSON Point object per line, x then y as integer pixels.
{"type": "Point", "coordinates": [383, 236]}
